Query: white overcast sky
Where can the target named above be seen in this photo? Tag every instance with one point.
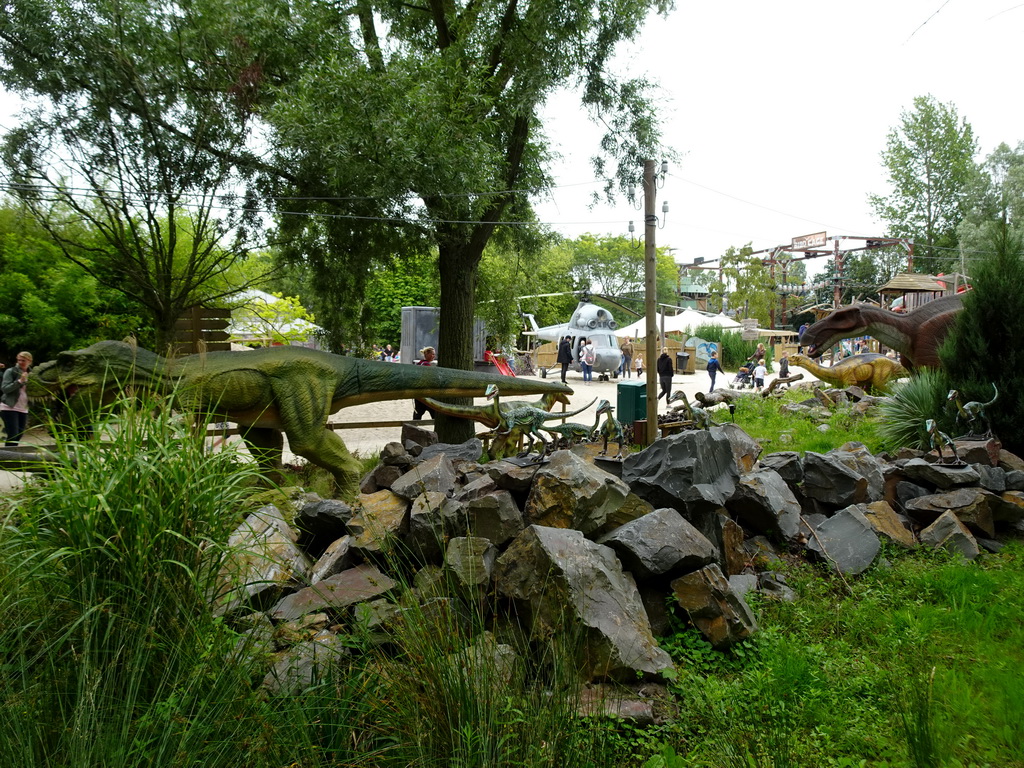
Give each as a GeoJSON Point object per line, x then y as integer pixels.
{"type": "Point", "coordinates": [780, 111]}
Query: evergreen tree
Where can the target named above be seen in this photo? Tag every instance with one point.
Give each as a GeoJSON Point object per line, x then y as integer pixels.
{"type": "Point", "coordinates": [984, 346]}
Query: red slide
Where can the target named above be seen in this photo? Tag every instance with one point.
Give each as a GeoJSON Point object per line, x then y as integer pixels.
{"type": "Point", "coordinates": [499, 362]}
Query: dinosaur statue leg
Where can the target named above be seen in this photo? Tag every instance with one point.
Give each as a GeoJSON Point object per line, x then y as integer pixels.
{"type": "Point", "coordinates": [265, 445]}
{"type": "Point", "coordinates": [303, 415]}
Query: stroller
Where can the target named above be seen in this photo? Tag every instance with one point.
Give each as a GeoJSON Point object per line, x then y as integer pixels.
{"type": "Point", "coordinates": [744, 378]}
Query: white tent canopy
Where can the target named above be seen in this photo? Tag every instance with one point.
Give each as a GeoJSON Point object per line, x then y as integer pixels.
{"type": "Point", "coordinates": [685, 322]}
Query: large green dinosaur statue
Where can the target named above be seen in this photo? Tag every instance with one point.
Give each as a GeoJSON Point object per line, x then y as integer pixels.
{"type": "Point", "coordinates": [916, 335]}
{"type": "Point", "coordinates": [870, 371]}
{"type": "Point", "coordinates": [289, 390]}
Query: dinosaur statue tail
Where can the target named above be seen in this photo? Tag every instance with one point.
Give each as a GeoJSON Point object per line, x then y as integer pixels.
{"type": "Point", "coordinates": [391, 381]}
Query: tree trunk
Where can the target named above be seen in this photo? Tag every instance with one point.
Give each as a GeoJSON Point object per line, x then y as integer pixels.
{"type": "Point", "coordinates": [457, 266]}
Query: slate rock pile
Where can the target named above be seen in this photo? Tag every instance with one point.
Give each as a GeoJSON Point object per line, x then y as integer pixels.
{"type": "Point", "coordinates": [537, 549]}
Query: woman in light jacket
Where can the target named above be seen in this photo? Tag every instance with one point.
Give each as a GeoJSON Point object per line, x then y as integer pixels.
{"type": "Point", "coordinates": [13, 398]}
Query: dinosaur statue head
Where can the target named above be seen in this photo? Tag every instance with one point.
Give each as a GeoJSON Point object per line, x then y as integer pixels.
{"type": "Point", "coordinates": [952, 396]}
{"type": "Point", "coordinates": [843, 323]}
{"type": "Point", "coordinates": [86, 378]}
{"type": "Point", "coordinates": [604, 407]}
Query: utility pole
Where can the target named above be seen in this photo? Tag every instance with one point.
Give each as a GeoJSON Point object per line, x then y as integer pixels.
{"type": "Point", "coordinates": [651, 299]}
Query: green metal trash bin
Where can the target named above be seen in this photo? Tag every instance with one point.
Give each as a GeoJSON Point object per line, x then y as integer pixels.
{"type": "Point", "coordinates": [632, 404]}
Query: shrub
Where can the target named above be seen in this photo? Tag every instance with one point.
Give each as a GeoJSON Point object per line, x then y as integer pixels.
{"type": "Point", "coordinates": [985, 345]}
{"type": "Point", "coordinates": [921, 397]}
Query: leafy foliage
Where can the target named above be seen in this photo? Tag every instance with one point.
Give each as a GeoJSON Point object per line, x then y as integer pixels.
{"type": "Point", "coordinates": [932, 174]}
{"type": "Point", "coordinates": [48, 304]}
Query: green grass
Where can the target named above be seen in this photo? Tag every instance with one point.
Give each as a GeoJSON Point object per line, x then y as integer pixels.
{"type": "Point", "coordinates": [762, 419]}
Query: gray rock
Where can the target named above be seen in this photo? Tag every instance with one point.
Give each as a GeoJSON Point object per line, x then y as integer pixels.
{"type": "Point", "coordinates": [477, 487]}
{"type": "Point", "coordinates": [335, 559]}
{"type": "Point", "coordinates": [809, 523]}
{"type": "Point", "coordinates": [694, 471]}
{"type": "Point", "coordinates": [510, 476]}
{"type": "Point", "coordinates": [471, 450]}
{"type": "Point", "coordinates": [972, 506]}
{"type": "Point", "coordinates": [764, 503]}
{"type": "Point", "coordinates": [556, 577]}
{"type": "Point", "coordinates": [745, 449]}
{"type": "Point", "coordinates": [992, 478]}
{"type": "Point", "coordinates": [494, 517]}
{"type": "Point", "coordinates": [846, 541]}
{"type": "Point", "coordinates": [345, 589]}
{"type": "Point", "coordinates": [434, 473]}
{"type": "Point", "coordinates": [659, 543]}
{"type": "Point", "coordinates": [742, 583]}
{"type": "Point", "coordinates": [949, 533]}
{"type": "Point", "coordinates": [265, 562]}
{"type": "Point", "coordinates": [304, 665]}
{"type": "Point", "coordinates": [418, 436]}
{"type": "Point", "coordinates": [1014, 480]}
{"type": "Point", "coordinates": [471, 561]}
{"type": "Point", "coordinates": [429, 526]}
{"type": "Point", "coordinates": [395, 455]}
{"type": "Point", "coordinates": [940, 475]}
{"type": "Point", "coordinates": [774, 585]}
{"type": "Point", "coordinates": [760, 552]}
{"type": "Point", "coordinates": [321, 521]}
{"type": "Point", "coordinates": [723, 617]}
{"type": "Point", "coordinates": [828, 480]}
{"type": "Point", "coordinates": [569, 492]}
{"type": "Point", "coordinates": [787, 463]}
{"type": "Point", "coordinates": [1008, 507]}
{"type": "Point", "coordinates": [905, 491]}
{"type": "Point", "coordinates": [379, 478]}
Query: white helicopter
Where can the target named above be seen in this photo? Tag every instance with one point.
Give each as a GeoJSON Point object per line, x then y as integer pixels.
{"type": "Point", "coordinates": [588, 321]}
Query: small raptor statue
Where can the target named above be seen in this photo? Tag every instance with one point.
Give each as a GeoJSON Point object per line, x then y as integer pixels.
{"type": "Point", "coordinates": [916, 335]}
{"type": "Point", "coordinates": [701, 418]}
{"type": "Point", "coordinates": [870, 372]}
{"type": "Point", "coordinates": [528, 421]}
{"type": "Point", "coordinates": [493, 415]}
{"type": "Point", "coordinates": [611, 429]}
{"type": "Point", "coordinates": [270, 393]}
{"type": "Point", "coordinates": [938, 438]}
{"type": "Point", "coordinates": [973, 412]}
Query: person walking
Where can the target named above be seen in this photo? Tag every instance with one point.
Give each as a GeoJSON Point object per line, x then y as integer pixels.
{"type": "Point", "coordinates": [665, 374]}
{"type": "Point", "coordinates": [627, 350]}
{"type": "Point", "coordinates": [713, 368]}
{"type": "Point", "coordinates": [759, 373]}
{"type": "Point", "coordinates": [564, 355]}
{"type": "Point", "coordinates": [14, 399]}
{"type": "Point", "coordinates": [427, 355]}
{"type": "Point", "coordinates": [587, 357]}
{"type": "Point", "coordinates": [639, 366]}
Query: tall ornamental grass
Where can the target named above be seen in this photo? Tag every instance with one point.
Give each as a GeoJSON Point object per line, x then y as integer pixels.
{"type": "Point", "coordinates": [111, 656]}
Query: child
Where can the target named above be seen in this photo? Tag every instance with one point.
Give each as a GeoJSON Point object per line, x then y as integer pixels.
{"type": "Point", "coordinates": [759, 373]}
{"type": "Point", "coordinates": [639, 365]}
{"type": "Point", "coordinates": [713, 368]}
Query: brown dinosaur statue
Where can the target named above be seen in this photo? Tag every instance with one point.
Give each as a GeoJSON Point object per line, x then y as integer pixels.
{"type": "Point", "coordinates": [916, 335]}
{"type": "Point", "coordinates": [870, 371]}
